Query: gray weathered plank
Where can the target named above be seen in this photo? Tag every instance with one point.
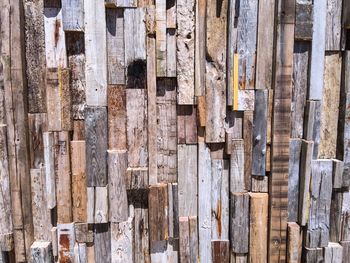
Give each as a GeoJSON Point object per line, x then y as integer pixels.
{"type": "Point", "coordinates": [102, 243]}
{"type": "Point", "coordinates": [73, 15]}
{"type": "Point", "coordinates": [333, 25]}
{"type": "Point", "coordinates": [303, 20]}
{"type": "Point", "coordinates": [237, 182]}
{"type": "Point", "coordinates": [333, 253]}
{"type": "Point", "coordinates": [312, 124]}
{"type": "Point", "coordinates": [122, 242]}
{"type": "Point", "coordinates": [336, 217]}
{"type": "Point", "coordinates": [41, 252]}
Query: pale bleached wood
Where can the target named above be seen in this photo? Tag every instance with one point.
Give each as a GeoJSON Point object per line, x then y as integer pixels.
{"type": "Point", "coordinates": [160, 17]}
{"type": "Point", "coordinates": [259, 133]}
{"type": "Point", "coordinates": [122, 242]}
{"type": "Point", "coordinates": [219, 199]}
{"type": "Point", "coordinates": [73, 15]}
{"type": "Point", "coordinates": [193, 233]}
{"type": "Point", "coordinates": [199, 67]}
{"type": "Point", "coordinates": [5, 196]}
{"type": "Point", "coordinates": [166, 251]}
{"type": "Point", "coordinates": [166, 131]}
{"type": "Point", "coordinates": [293, 179]}
{"type": "Point", "coordinates": [95, 51]}
{"type": "Point", "coordinates": [317, 234]}
{"type": "Point", "coordinates": [258, 227]}
{"type": "Point", "coordinates": [204, 199]}
{"type": "Point", "coordinates": [338, 169]}
{"type": "Point", "coordinates": [171, 52]}
{"type": "Point", "coordinates": [304, 182]}
{"type": "Point", "coordinates": [215, 84]}
{"type": "Point", "coordinates": [66, 240]}
{"type": "Point", "coordinates": [101, 205]}
{"type": "Point", "coordinates": [185, 50]}
{"type": "Point", "coordinates": [41, 252]}
{"type": "Point", "coordinates": [63, 177]}
{"type": "Point", "coordinates": [35, 55]}
{"type": "Point", "coordinates": [333, 25]}
{"type": "Point", "coordinates": [96, 145]}
{"type": "Point", "coordinates": [115, 46]}
{"type": "Point", "coordinates": [246, 100]}
{"type": "Point", "coordinates": [55, 46]}
{"type": "Point", "coordinates": [333, 253]}
{"type": "Point", "coordinates": [187, 179]}
{"type": "Point", "coordinates": [184, 240]}
{"type": "Point", "coordinates": [303, 20]}
{"type": "Point", "coordinates": [171, 210]}
{"type": "Point", "coordinates": [300, 80]}
{"type": "Point", "coordinates": [80, 253]}
{"type": "Point", "coordinates": [330, 108]}
{"type": "Point", "coordinates": [54, 241]}
{"type": "Point", "coordinates": [264, 48]}
{"type": "Point", "coordinates": [121, 3]}
{"type": "Point", "coordinates": [312, 124]}
{"type": "Point", "coordinates": [90, 204]}
{"type": "Point", "coordinates": [294, 243]}
{"type": "Point", "coordinates": [239, 218]}
{"type": "Point", "coordinates": [117, 164]}
{"type": "Point", "coordinates": [318, 43]}
{"type": "Point", "coordinates": [246, 43]}
{"type": "Point", "coordinates": [41, 214]}
{"type": "Point", "coordinates": [237, 182]}
{"type": "Point", "coordinates": [79, 195]}
{"type": "Point", "coordinates": [231, 49]}
{"type": "Point", "coordinates": [49, 159]}
{"type": "Point", "coordinates": [102, 243]}
{"type": "Point", "coordinates": [76, 64]}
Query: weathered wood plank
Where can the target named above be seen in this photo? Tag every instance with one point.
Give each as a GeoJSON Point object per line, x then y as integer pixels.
{"type": "Point", "coordinates": [73, 15]}
{"type": "Point", "coordinates": [90, 204]}
{"type": "Point", "coordinates": [115, 46]}
{"type": "Point", "coordinates": [122, 237]}
{"type": "Point", "coordinates": [79, 194]}
{"type": "Point", "coordinates": [199, 67]}
{"type": "Point", "coordinates": [333, 24]}
{"type": "Point", "coordinates": [259, 133]}
{"type": "Point", "coordinates": [220, 251]}
{"type": "Point", "coordinates": [41, 214]}
{"type": "Point", "coordinates": [248, 146]}
{"type": "Point", "coordinates": [54, 241]}
{"type": "Point", "coordinates": [258, 226]}
{"type": "Point", "coordinates": [317, 234]}
{"type": "Point", "coordinates": [141, 230]}
{"type": "Point", "coordinates": [185, 51]}
{"type": "Point", "coordinates": [41, 252]}
{"type": "Point", "coordinates": [264, 48]}
{"type": "Point", "coordinates": [338, 170]}
{"type": "Point", "coordinates": [95, 51]}
{"type": "Point", "coordinates": [184, 239]}
{"type": "Point", "coordinates": [117, 164]}
{"type": "Point", "coordinates": [187, 179]}
{"type": "Point", "coordinates": [101, 205]}
{"type": "Point", "coordinates": [136, 178]}
{"type": "Point", "coordinates": [166, 131]}
{"type": "Point", "coordinates": [215, 87]}
{"type": "Point", "coordinates": [120, 3]}
{"type": "Point", "coordinates": [160, 17]}
{"type": "Point", "coordinates": [35, 55]}
{"type": "Point", "coordinates": [193, 233]}
{"type": "Point", "coordinates": [237, 181]}
{"type": "Point", "coordinates": [186, 124]}
{"type": "Point", "coordinates": [66, 240]}
{"type": "Point", "coordinates": [311, 255]}
{"type": "Point", "coordinates": [335, 220]}
{"type": "Point", "coordinates": [293, 179]}
{"type": "Point", "coordinates": [333, 253]}
{"type": "Point", "coordinates": [117, 139]}
{"type": "Point", "coordinates": [96, 145]}
{"type": "Point", "coordinates": [84, 232]}
{"type": "Point", "coordinates": [37, 125]}
{"type": "Point", "coordinates": [330, 108]}
{"type": "Point", "coordinates": [318, 43]}
{"type": "Point", "coordinates": [49, 159]}
{"type": "Point", "coordinates": [294, 243]}
{"type": "Point", "coordinates": [102, 243]}
{"type": "Point", "coordinates": [312, 124]}
{"type": "Point", "coordinates": [239, 218]}
{"type": "Point", "coordinates": [303, 20]}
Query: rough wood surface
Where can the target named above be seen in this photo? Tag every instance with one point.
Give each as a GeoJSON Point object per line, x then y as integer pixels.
{"type": "Point", "coordinates": [37, 125]}
{"type": "Point", "coordinates": [335, 220]}
{"type": "Point", "coordinates": [237, 182]}
{"type": "Point", "coordinates": [303, 20]}
{"type": "Point", "coordinates": [41, 252]}
{"type": "Point", "coordinates": [333, 24]}
{"type": "Point", "coordinates": [73, 15]}
{"type": "Point", "coordinates": [312, 124]}
{"type": "Point", "coordinates": [186, 124]}
{"type": "Point", "coordinates": [66, 240]}
{"type": "Point", "coordinates": [294, 243]}
{"type": "Point", "coordinates": [220, 251]}
{"type": "Point", "coordinates": [122, 241]}
{"type": "Point", "coordinates": [248, 118]}
{"type": "Point", "coordinates": [333, 253]}
{"type": "Point", "coordinates": [101, 205]}
{"type": "Point", "coordinates": [49, 159]}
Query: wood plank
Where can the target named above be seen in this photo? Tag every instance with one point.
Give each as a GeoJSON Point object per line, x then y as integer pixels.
{"type": "Point", "coordinates": [187, 179]}
{"type": "Point", "coordinates": [160, 17]}
{"type": "Point", "coordinates": [63, 178]}
{"type": "Point", "coordinates": [294, 179]}
{"type": "Point", "coordinates": [248, 117]}
{"type": "Point", "coordinates": [329, 108]}
{"type": "Point", "coordinates": [41, 252]}
{"type": "Point", "coordinates": [311, 255]}
{"type": "Point", "coordinates": [166, 131]}
{"type": "Point", "coordinates": [220, 251]}
{"type": "Point", "coordinates": [193, 234]}
{"type": "Point", "coordinates": [120, 3]}
{"type": "Point", "coordinates": [199, 65]}
{"type": "Point", "coordinates": [237, 181]}
{"type": "Point", "coordinates": [185, 51]}
{"type": "Point", "coordinates": [318, 43]}
{"type": "Point", "coordinates": [264, 48]}
{"type": "Point", "coordinates": [258, 227]}
{"type": "Point", "coordinates": [346, 250]}
{"type": "Point", "coordinates": [335, 220]}
{"type": "Point", "coordinates": [66, 240]}
{"type": "Point", "coordinates": [239, 218]}
{"type": "Point", "coordinates": [280, 132]}
{"type": "Point", "coordinates": [259, 133]}
{"type": "Point", "coordinates": [41, 214]}
{"type": "Point", "coordinates": [303, 20]}
{"type": "Point", "coordinates": [184, 241]}
{"type": "Point", "coordinates": [234, 128]}
{"type": "Point", "coordinates": [312, 124]}
{"type": "Point", "coordinates": [117, 164]}
{"type": "Point", "coordinates": [338, 170]}
{"type": "Point", "coordinates": [115, 46]}
{"type": "Point", "coordinates": [245, 101]}
{"type": "Point", "coordinates": [73, 15]}
{"type": "Point", "coordinates": [141, 230]}
{"type": "Point", "coordinates": [294, 243]}
{"type": "Point", "coordinates": [333, 24]}
{"type": "Point", "coordinates": [317, 234]}
{"type": "Point", "coordinates": [96, 145]}
{"type": "Point", "coordinates": [171, 52]}
{"type": "Point", "coordinates": [122, 241]}
{"type": "Point", "coordinates": [136, 178]}
{"type": "Point", "coordinates": [79, 192]}
{"type": "Point", "coordinates": [76, 64]}
{"type": "Point", "coordinates": [333, 253]}
{"type": "Point", "coordinates": [102, 243]}
{"type": "Point", "coordinates": [186, 124]}
{"type": "Point", "coordinates": [215, 88]}
{"type": "Point", "coordinates": [84, 232]}
{"type": "Point", "coordinates": [55, 46]}
{"type": "Point", "coordinates": [204, 210]}
{"type": "Point", "coordinates": [101, 205]}
{"type": "Point", "coordinates": [90, 204]}
{"type": "Point", "coordinates": [345, 217]}
{"type": "Point", "coordinates": [300, 79]}
{"type": "Point", "coordinates": [117, 117]}
{"type": "Point", "coordinates": [35, 59]}
{"type": "Point", "coordinates": [49, 159]}
{"type": "Point", "coordinates": [37, 124]}
{"type": "Point", "coordinates": [95, 51]}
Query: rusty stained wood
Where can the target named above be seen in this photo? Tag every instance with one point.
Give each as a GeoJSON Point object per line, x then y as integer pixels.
{"type": "Point", "coordinates": [66, 240]}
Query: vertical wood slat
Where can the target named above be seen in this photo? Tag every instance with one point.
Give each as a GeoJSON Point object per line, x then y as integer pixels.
{"type": "Point", "coordinates": [185, 51]}
{"type": "Point", "coordinates": [333, 25]}
{"type": "Point", "coordinates": [281, 131]}
{"type": "Point", "coordinates": [160, 17]}
{"type": "Point", "coordinates": [49, 159]}
{"type": "Point", "coordinates": [95, 50]}
{"type": "Point", "coordinates": [37, 125]}
{"type": "Point", "coordinates": [294, 243]}
{"type": "Point", "coordinates": [66, 240]}
{"type": "Point", "coordinates": [215, 88]}
{"type": "Point", "coordinates": [122, 241]}
{"type": "Point", "coordinates": [41, 252]}
{"type": "Point", "coordinates": [199, 67]}
{"type": "Point", "coordinates": [73, 15]}
{"type": "Point", "coordinates": [303, 20]}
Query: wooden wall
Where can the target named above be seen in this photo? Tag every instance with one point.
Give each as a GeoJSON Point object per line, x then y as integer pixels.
{"type": "Point", "coordinates": [174, 131]}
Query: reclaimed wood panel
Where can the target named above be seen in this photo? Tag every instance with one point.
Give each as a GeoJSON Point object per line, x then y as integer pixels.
{"type": "Point", "coordinates": [73, 15]}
